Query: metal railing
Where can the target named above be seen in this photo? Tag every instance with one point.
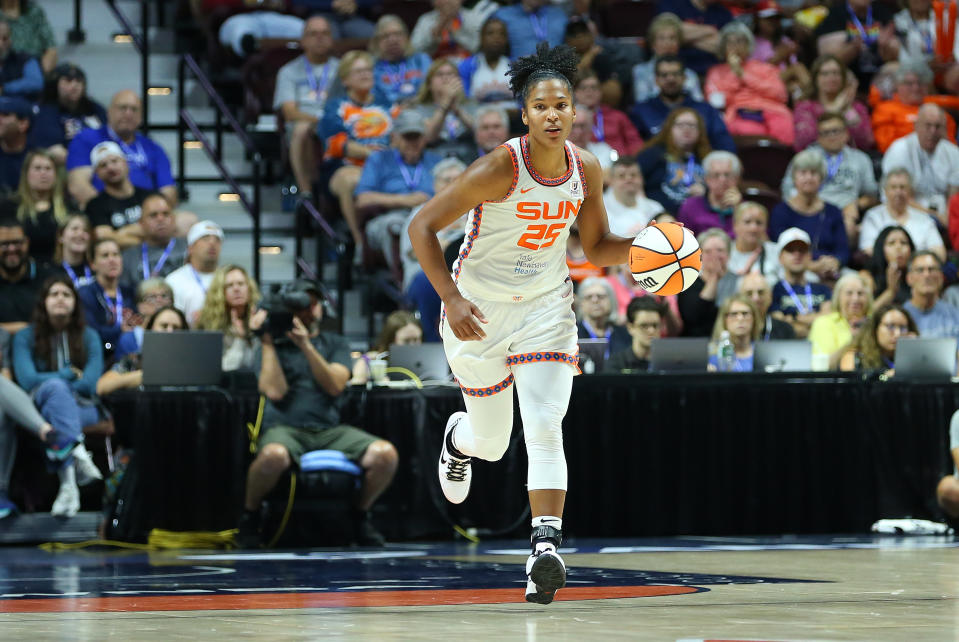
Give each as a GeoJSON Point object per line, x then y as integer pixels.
{"type": "Point", "coordinates": [304, 213]}
{"type": "Point", "coordinates": [141, 41]}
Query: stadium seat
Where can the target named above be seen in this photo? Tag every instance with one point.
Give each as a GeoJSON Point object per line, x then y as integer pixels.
{"type": "Point", "coordinates": [408, 11]}
{"type": "Point", "coordinates": [764, 160]}
{"type": "Point", "coordinates": [627, 18]}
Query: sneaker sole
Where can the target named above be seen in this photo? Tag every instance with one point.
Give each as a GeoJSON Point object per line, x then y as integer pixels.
{"type": "Point", "coordinates": [548, 573]}
{"type": "Point", "coordinates": [541, 597]}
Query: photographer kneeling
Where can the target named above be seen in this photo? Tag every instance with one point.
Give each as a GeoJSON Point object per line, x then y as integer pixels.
{"type": "Point", "coordinates": [302, 373]}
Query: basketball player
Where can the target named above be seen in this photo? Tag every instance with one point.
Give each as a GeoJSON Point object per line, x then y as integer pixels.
{"type": "Point", "coordinates": [508, 312]}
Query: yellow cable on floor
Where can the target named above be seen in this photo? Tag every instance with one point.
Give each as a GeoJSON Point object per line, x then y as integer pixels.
{"type": "Point", "coordinates": [286, 514]}
{"type": "Point", "coordinates": [158, 540]}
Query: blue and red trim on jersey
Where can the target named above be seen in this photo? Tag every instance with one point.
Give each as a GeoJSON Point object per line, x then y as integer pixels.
{"type": "Point", "coordinates": [476, 219]}
{"type": "Point", "coordinates": [512, 188]}
{"type": "Point", "coordinates": [539, 357]}
{"type": "Point", "coordinates": [549, 182]}
{"type": "Point", "coordinates": [582, 172]}
{"type": "Point", "coordinates": [489, 391]}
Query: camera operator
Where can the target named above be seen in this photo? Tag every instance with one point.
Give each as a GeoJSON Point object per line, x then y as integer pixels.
{"type": "Point", "coordinates": [303, 373]}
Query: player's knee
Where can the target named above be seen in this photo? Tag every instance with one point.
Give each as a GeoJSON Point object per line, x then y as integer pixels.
{"type": "Point", "coordinates": [491, 449]}
{"type": "Point", "coordinates": [544, 426]}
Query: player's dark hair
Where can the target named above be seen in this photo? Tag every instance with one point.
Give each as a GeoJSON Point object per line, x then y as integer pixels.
{"type": "Point", "coordinates": [557, 62]}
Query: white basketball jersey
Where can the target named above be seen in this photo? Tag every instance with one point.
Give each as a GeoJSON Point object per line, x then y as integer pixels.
{"type": "Point", "coordinates": [515, 248]}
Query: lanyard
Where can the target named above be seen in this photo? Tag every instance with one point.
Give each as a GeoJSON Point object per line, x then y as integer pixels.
{"type": "Point", "coordinates": [592, 335]}
{"type": "Point", "coordinates": [689, 176]}
{"type": "Point", "coordinates": [792, 295]}
{"type": "Point", "coordinates": [599, 131]}
{"type": "Point", "coordinates": [318, 87]}
{"type": "Point", "coordinates": [863, 30]}
{"type": "Point", "coordinates": [540, 29]}
{"type": "Point", "coordinates": [926, 36]}
{"type": "Point", "coordinates": [199, 281]}
{"type": "Point", "coordinates": [136, 156]}
{"type": "Point", "coordinates": [832, 166]}
{"type": "Point", "coordinates": [451, 124]}
{"type": "Point", "coordinates": [115, 306]}
{"type": "Point", "coordinates": [147, 272]}
{"type": "Point", "coordinates": [87, 275]}
{"type": "Point", "coordinates": [412, 180]}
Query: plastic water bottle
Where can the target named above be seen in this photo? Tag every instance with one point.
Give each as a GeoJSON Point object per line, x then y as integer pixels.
{"type": "Point", "coordinates": [725, 354]}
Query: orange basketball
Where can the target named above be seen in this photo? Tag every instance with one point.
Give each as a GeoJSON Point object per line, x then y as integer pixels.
{"type": "Point", "coordinates": [665, 258]}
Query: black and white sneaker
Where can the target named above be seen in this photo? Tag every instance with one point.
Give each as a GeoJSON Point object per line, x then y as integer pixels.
{"type": "Point", "coordinates": [455, 472]}
{"type": "Point", "coordinates": [545, 569]}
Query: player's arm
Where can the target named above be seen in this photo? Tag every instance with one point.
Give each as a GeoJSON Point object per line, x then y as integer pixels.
{"type": "Point", "coordinates": [489, 178]}
{"type": "Point", "coordinates": [601, 246]}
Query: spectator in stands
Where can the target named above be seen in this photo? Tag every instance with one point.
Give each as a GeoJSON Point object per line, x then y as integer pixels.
{"type": "Point", "coordinates": [756, 288]}
{"type": "Point", "coordinates": [230, 308]}
{"type": "Point", "coordinates": [108, 306]}
{"type": "Point", "coordinates": [20, 276]}
{"type": "Point", "coordinates": [30, 30]}
{"type": "Point", "coordinates": [627, 209]}
{"type": "Point", "coordinates": [73, 247]}
{"type": "Point", "coordinates": [934, 317]}
{"type": "Point", "coordinates": [808, 211]}
{"type": "Point", "coordinates": [611, 65]}
{"type": "Point", "coordinates": [581, 135]}
{"type": "Point", "coordinates": [892, 119]}
{"type": "Point", "coordinates": [152, 295]}
{"type": "Point", "coordinates": [241, 32]}
{"type": "Point", "coordinates": [698, 303]}
{"type": "Point", "coordinates": [160, 252]}
{"type": "Point", "coordinates": [115, 212]}
{"type": "Point", "coordinates": [127, 372]}
{"type": "Point", "coordinates": [795, 300]}
{"type": "Point", "coordinates": [58, 360]}
{"type": "Point", "coordinates": [644, 322]}
{"type": "Point", "coordinates": [750, 92]}
{"type": "Point", "coordinates": [484, 75]}
{"type": "Point", "coordinates": [887, 265]}
{"type": "Point", "coordinates": [672, 160]}
{"type": "Point", "coordinates": [897, 186]}
{"type": "Point", "coordinates": [953, 227]}
{"type": "Point", "coordinates": [354, 126]}
{"type": "Point", "coordinates": [398, 73]}
{"type": "Point", "coordinates": [714, 208]}
{"type": "Point", "coordinates": [850, 182]}
{"type": "Point", "coordinates": [15, 140]}
{"type": "Point", "coordinates": [609, 125]}
{"type": "Point", "coordinates": [598, 315]}
{"type": "Point", "coordinates": [739, 317]}
{"type": "Point", "coordinates": [302, 378]}
{"type": "Point", "coordinates": [916, 30]}
{"type": "Point", "coordinates": [752, 251]}
{"type": "Point", "coordinates": [947, 492]}
{"type": "Point", "coordinates": [831, 333]}
{"type": "Point", "coordinates": [449, 116]}
{"type": "Point", "coordinates": [20, 73]}
{"type": "Point", "coordinates": [529, 22]}
{"type": "Point", "coordinates": [775, 46]}
{"type": "Point", "coordinates": [396, 180]}
{"type": "Point", "coordinates": [626, 289]}
{"type": "Point", "coordinates": [873, 349]}
{"type": "Point", "coordinates": [702, 21]}
{"type": "Point", "coordinates": [302, 88]}
{"type": "Point", "coordinates": [491, 129]}
{"type": "Point", "coordinates": [65, 111]}
{"type": "Point", "coordinates": [859, 33]}
{"type": "Point", "coordinates": [449, 30]}
{"type": "Point", "coordinates": [664, 37]}
{"type": "Point", "coordinates": [40, 204]}
{"type": "Point", "coordinates": [149, 165]}
{"type": "Point", "coordinates": [649, 115]}
{"type": "Point", "coordinates": [191, 281]}
{"type": "Point", "coordinates": [932, 161]}
{"type": "Point", "coordinates": [401, 327]}
{"type": "Point", "coordinates": [833, 90]}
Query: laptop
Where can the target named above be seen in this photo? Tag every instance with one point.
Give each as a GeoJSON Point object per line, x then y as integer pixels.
{"type": "Point", "coordinates": [592, 351]}
{"type": "Point", "coordinates": [183, 358]}
{"type": "Point", "coordinates": [789, 355]}
{"type": "Point", "coordinates": [679, 354]}
{"type": "Point", "coordinates": [926, 358]}
{"type": "Point", "coordinates": [426, 360]}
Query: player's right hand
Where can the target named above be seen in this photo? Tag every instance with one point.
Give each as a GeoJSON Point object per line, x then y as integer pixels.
{"type": "Point", "coordinates": [464, 319]}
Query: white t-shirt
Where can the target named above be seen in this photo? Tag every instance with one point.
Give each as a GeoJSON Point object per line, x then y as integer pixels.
{"type": "Point", "coordinates": [628, 221]}
{"type": "Point", "coordinates": [932, 175]}
{"type": "Point", "coordinates": [189, 290]}
{"type": "Point", "coordinates": [919, 225]}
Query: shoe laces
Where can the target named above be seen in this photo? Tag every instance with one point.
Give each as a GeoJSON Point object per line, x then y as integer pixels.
{"type": "Point", "coordinates": [456, 469]}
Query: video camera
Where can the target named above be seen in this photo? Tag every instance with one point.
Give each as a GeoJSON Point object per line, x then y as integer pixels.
{"type": "Point", "coordinates": [282, 304]}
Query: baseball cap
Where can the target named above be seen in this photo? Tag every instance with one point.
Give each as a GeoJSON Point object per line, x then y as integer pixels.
{"type": "Point", "coordinates": [768, 9]}
{"type": "Point", "coordinates": [103, 151]}
{"type": "Point", "coordinates": [409, 121]}
{"type": "Point", "coordinates": [791, 235]}
{"type": "Point", "coordinates": [17, 106]}
{"type": "Point", "coordinates": [201, 229]}
{"type": "Point", "coordinates": [307, 286]}
{"type": "Point", "coordinates": [69, 70]}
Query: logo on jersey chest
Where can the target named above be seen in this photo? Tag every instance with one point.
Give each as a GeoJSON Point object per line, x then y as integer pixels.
{"type": "Point", "coordinates": [575, 189]}
{"type": "Point", "coordinates": [535, 210]}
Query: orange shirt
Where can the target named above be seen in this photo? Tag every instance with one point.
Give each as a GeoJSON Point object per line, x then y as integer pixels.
{"type": "Point", "coordinates": [893, 119]}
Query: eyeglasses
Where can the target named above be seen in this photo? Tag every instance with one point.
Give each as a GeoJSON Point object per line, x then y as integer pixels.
{"type": "Point", "coordinates": [739, 313]}
{"type": "Point", "coordinates": [929, 269]}
{"type": "Point", "coordinates": [894, 328]}
{"type": "Point", "coordinates": [156, 297]}
{"type": "Point", "coordinates": [646, 327]}
{"type": "Point", "coordinates": [835, 131]}
{"type": "Point", "coordinates": [595, 297]}
{"type": "Point", "coordinates": [686, 125]}
{"type": "Point", "coordinates": [12, 243]}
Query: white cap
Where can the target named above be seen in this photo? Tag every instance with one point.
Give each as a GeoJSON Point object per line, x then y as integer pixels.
{"type": "Point", "coordinates": [201, 229]}
{"type": "Point", "coordinates": [103, 151]}
{"type": "Point", "coordinates": [790, 235]}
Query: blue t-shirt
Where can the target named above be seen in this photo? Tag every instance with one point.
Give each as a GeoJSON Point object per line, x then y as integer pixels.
{"type": "Point", "coordinates": [398, 81]}
{"type": "Point", "coordinates": [386, 172]}
{"type": "Point", "coordinates": [715, 15]}
{"type": "Point", "coordinates": [743, 364]}
{"type": "Point", "coordinates": [149, 165]}
{"type": "Point", "coordinates": [526, 30]}
{"type": "Point", "coordinates": [941, 321]}
{"type": "Point", "coordinates": [55, 126]}
{"type": "Point", "coordinates": [10, 165]}
{"type": "Point", "coordinates": [826, 229]}
{"type": "Point", "coordinates": [811, 296]}
{"type": "Point", "coordinates": [649, 116]}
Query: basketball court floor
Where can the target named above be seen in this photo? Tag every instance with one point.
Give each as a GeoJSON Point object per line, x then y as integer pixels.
{"type": "Point", "coordinates": [852, 588]}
